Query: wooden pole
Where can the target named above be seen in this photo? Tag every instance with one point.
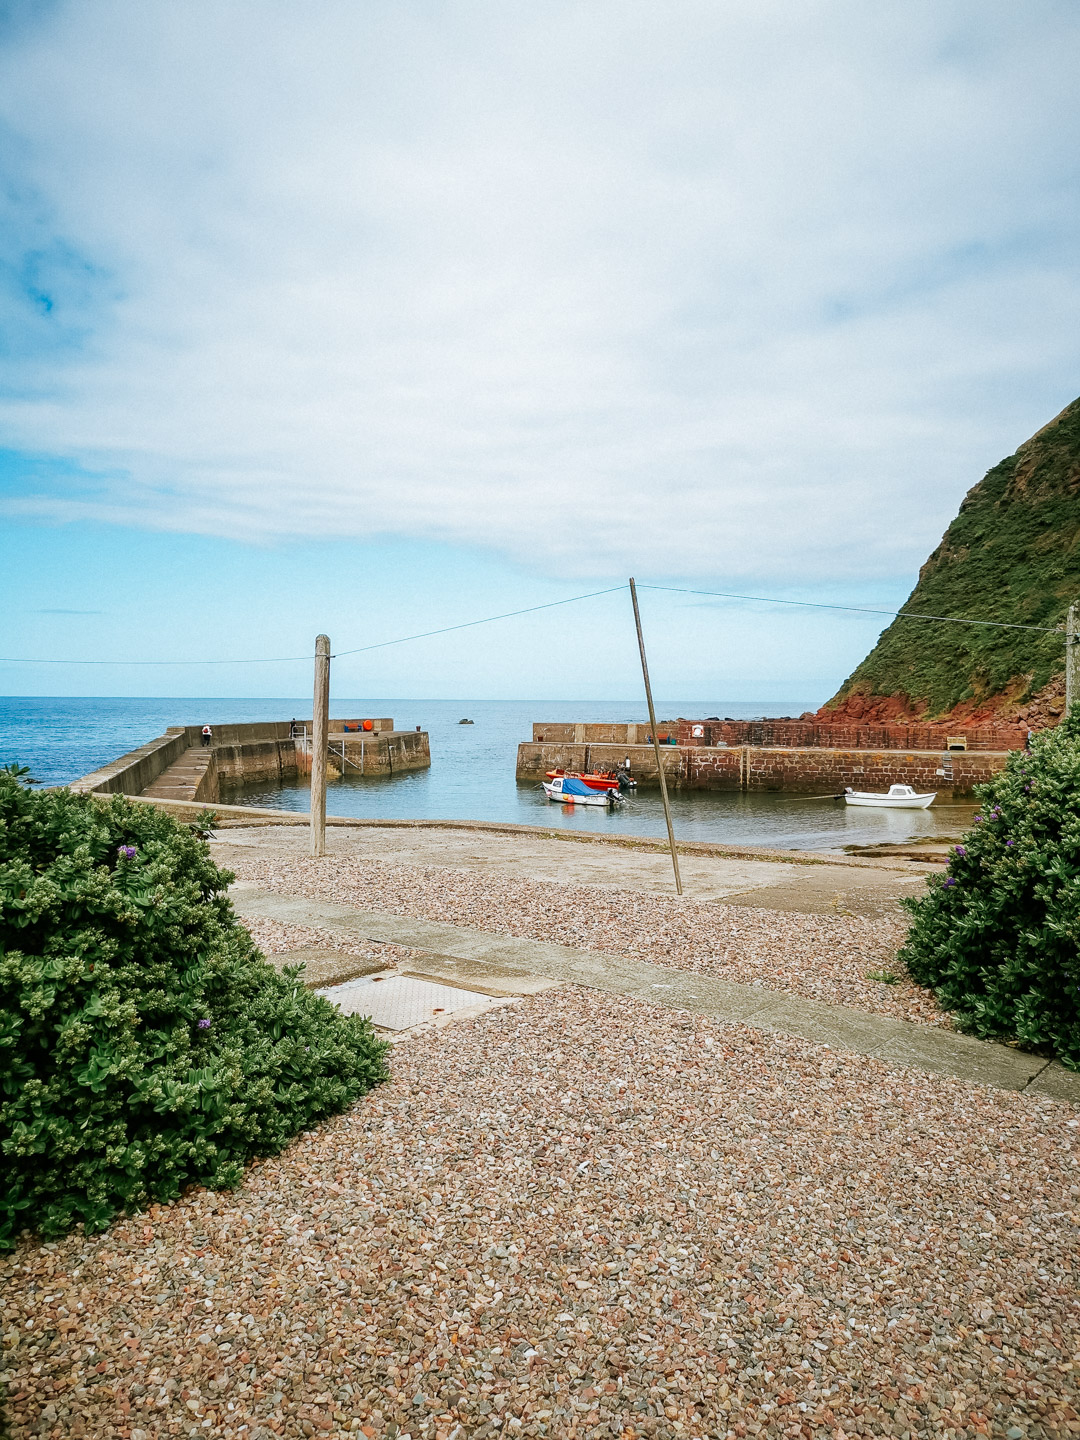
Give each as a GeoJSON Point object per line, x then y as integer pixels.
{"type": "Point", "coordinates": [320, 728]}
{"type": "Point", "coordinates": [655, 741]}
{"type": "Point", "coordinates": [1072, 661]}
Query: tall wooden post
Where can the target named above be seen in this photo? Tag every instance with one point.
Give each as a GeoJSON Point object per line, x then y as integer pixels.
{"type": "Point", "coordinates": [320, 730]}
{"type": "Point", "coordinates": [655, 741]}
{"type": "Point", "coordinates": [1072, 661]}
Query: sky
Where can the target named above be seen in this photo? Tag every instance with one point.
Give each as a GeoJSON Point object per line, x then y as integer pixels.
{"type": "Point", "coordinates": [374, 319]}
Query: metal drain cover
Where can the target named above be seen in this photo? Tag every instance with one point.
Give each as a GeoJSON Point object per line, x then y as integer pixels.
{"type": "Point", "coordinates": [400, 1002]}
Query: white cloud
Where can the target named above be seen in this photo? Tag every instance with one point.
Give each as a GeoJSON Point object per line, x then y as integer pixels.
{"type": "Point", "coordinates": [743, 288]}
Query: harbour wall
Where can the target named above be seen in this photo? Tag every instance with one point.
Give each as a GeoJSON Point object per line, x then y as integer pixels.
{"type": "Point", "coordinates": [810, 769]}
{"type": "Point", "coordinates": [783, 734]}
{"type": "Point", "coordinates": [389, 753]}
{"type": "Point", "coordinates": [130, 774]}
{"type": "Point", "coordinates": [263, 752]}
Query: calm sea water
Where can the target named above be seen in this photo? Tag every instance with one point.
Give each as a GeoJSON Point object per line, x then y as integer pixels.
{"type": "Point", "coordinates": [472, 768]}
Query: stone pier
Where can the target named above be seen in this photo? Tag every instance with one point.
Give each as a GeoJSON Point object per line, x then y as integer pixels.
{"type": "Point", "coordinates": [177, 766]}
{"type": "Point", "coordinates": [692, 763]}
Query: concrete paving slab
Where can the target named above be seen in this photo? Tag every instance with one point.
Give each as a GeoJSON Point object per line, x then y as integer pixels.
{"type": "Point", "coordinates": [820, 883]}
{"type": "Point", "coordinates": [898, 1042]}
{"type": "Point", "coordinates": [830, 890]}
{"type": "Point", "coordinates": [321, 956]}
{"type": "Point", "coordinates": [400, 1002]}
{"type": "Point", "coordinates": [560, 962]}
{"type": "Point", "coordinates": [1057, 1083]}
{"type": "Point", "coordinates": [841, 1026]}
{"type": "Point", "coordinates": [944, 1052]}
{"type": "Point", "coordinates": [475, 976]}
{"type": "Point", "coordinates": [704, 995]}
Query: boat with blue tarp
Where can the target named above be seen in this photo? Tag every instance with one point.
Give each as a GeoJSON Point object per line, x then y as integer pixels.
{"type": "Point", "coordinates": [571, 791]}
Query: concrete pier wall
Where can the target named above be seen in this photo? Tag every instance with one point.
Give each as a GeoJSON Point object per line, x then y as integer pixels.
{"type": "Point", "coordinates": [387, 753]}
{"type": "Point", "coordinates": [263, 752]}
{"type": "Point", "coordinates": [130, 774]}
{"type": "Point", "coordinates": [254, 762]}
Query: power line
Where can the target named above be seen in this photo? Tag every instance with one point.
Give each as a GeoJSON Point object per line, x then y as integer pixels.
{"type": "Point", "coordinates": [360, 649]}
{"type": "Point", "coordinates": [30, 660]}
{"type": "Point", "coordinates": [551, 605]}
{"type": "Point", "coordinates": [465, 625]}
{"type": "Point", "coordinates": [856, 609]}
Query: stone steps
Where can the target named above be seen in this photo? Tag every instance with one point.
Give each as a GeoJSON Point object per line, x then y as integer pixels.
{"type": "Point", "coordinates": [183, 778]}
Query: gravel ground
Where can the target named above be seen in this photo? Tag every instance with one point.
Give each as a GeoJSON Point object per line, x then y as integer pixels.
{"type": "Point", "coordinates": [821, 957]}
{"type": "Point", "coordinates": [274, 939]}
{"type": "Point", "coordinates": [584, 1216]}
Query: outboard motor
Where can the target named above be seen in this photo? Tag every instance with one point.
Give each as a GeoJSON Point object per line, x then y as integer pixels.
{"type": "Point", "coordinates": [625, 779]}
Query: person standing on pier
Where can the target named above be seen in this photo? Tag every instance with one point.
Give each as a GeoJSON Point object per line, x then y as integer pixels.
{"type": "Point", "coordinates": [207, 734]}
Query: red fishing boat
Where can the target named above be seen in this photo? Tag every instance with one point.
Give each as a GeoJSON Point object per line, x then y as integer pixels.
{"type": "Point", "coordinates": [595, 780]}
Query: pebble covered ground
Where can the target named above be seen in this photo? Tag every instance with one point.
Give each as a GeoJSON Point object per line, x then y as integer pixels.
{"type": "Point", "coordinates": [582, 1216]}
{"type": "Point", "coordinates": [820, 957]}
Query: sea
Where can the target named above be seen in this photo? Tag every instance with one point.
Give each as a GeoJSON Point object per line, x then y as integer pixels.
{"type": "Point", "coordinates": [472, 767]}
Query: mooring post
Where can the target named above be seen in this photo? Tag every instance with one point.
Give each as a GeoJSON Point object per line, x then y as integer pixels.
{"type": "Point", "coordinates": [320, 729]}
{"type": "Point", "coordinates": [655, 741]}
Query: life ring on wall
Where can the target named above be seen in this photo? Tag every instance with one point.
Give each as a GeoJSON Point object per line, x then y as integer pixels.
{"type": "Point", "coordinates": [369, 725]}
{"type": "Point", "coordinates": [698, 732]}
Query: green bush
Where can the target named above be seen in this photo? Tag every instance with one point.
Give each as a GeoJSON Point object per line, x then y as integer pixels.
{"type": "Point", "coordinates": [145, 1044]}
{"type": "Point", "coordinates": [998, 937]}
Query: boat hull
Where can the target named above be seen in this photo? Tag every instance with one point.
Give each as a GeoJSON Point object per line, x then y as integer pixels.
{"type": "Point", "coordinates": [892, 802]}
{"type": "Point", "coordinates": [607, 798]}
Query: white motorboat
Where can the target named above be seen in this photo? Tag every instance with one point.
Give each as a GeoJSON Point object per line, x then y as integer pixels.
{"type": "Point", "coordinates": [572, 791]}
{"type": "Point", "coordinates": [900, 797]}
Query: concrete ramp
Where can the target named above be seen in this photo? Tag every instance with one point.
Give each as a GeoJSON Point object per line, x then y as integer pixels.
{"type": "Point", "coordinates": [189, 778]}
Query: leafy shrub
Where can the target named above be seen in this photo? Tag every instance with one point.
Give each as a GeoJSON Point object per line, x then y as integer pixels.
{"type": "Point", "coordinates": [145, 1044]}
{"type": "Point", "coordinates": [998, 937]}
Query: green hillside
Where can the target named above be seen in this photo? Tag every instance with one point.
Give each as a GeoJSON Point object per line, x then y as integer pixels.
{"type": "Point", "coordinates": [1012, 554]}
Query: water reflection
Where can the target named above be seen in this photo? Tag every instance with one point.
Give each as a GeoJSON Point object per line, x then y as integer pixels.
{"type": "Point", "coordinates": [784, 821]}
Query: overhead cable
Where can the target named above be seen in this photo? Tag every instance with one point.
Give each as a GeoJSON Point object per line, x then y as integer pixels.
{"type": "Point", "coordinates": [289, 659]}
{"type": "Point", "coordinates": [551, 605]}
{"type": "Point", "coordinates": [856, 609]}
{"type": "Point", "coordinates": [466, 624]}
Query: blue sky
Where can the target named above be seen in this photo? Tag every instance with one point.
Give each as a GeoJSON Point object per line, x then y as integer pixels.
{"type": "Point", "coordinates": [369, 319]}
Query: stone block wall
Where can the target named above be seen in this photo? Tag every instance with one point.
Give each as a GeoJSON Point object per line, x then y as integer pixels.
{"type": "Point", "coordinates": [781, 734]}
{"type": "Point", "coordinates": [824, 771]}
{"type": "Point", "coordinates": [566, 733]}
{"type": "Point", "coordinates": [804, 734]}
{"type": "Point", "coordinates": [811, 769]}
{"type": "Point", "coordinates": [714, 769]}
{"type": "Point", "coordinates": [535, 760]}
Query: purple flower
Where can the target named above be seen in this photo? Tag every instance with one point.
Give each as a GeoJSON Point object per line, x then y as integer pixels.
{"type": "Point", "coordinates": [960, 850]}
{"type": "Point", "coordinates": [948, 881]}
{"type": "Point", "coordinates": [978, 819]}
{"type": "Point", "coordinates": [204, 1024]}
{"type": "Point", "coordinates": [1010, 842]}
{"type": "Point", "coordinates": [127, 852]}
